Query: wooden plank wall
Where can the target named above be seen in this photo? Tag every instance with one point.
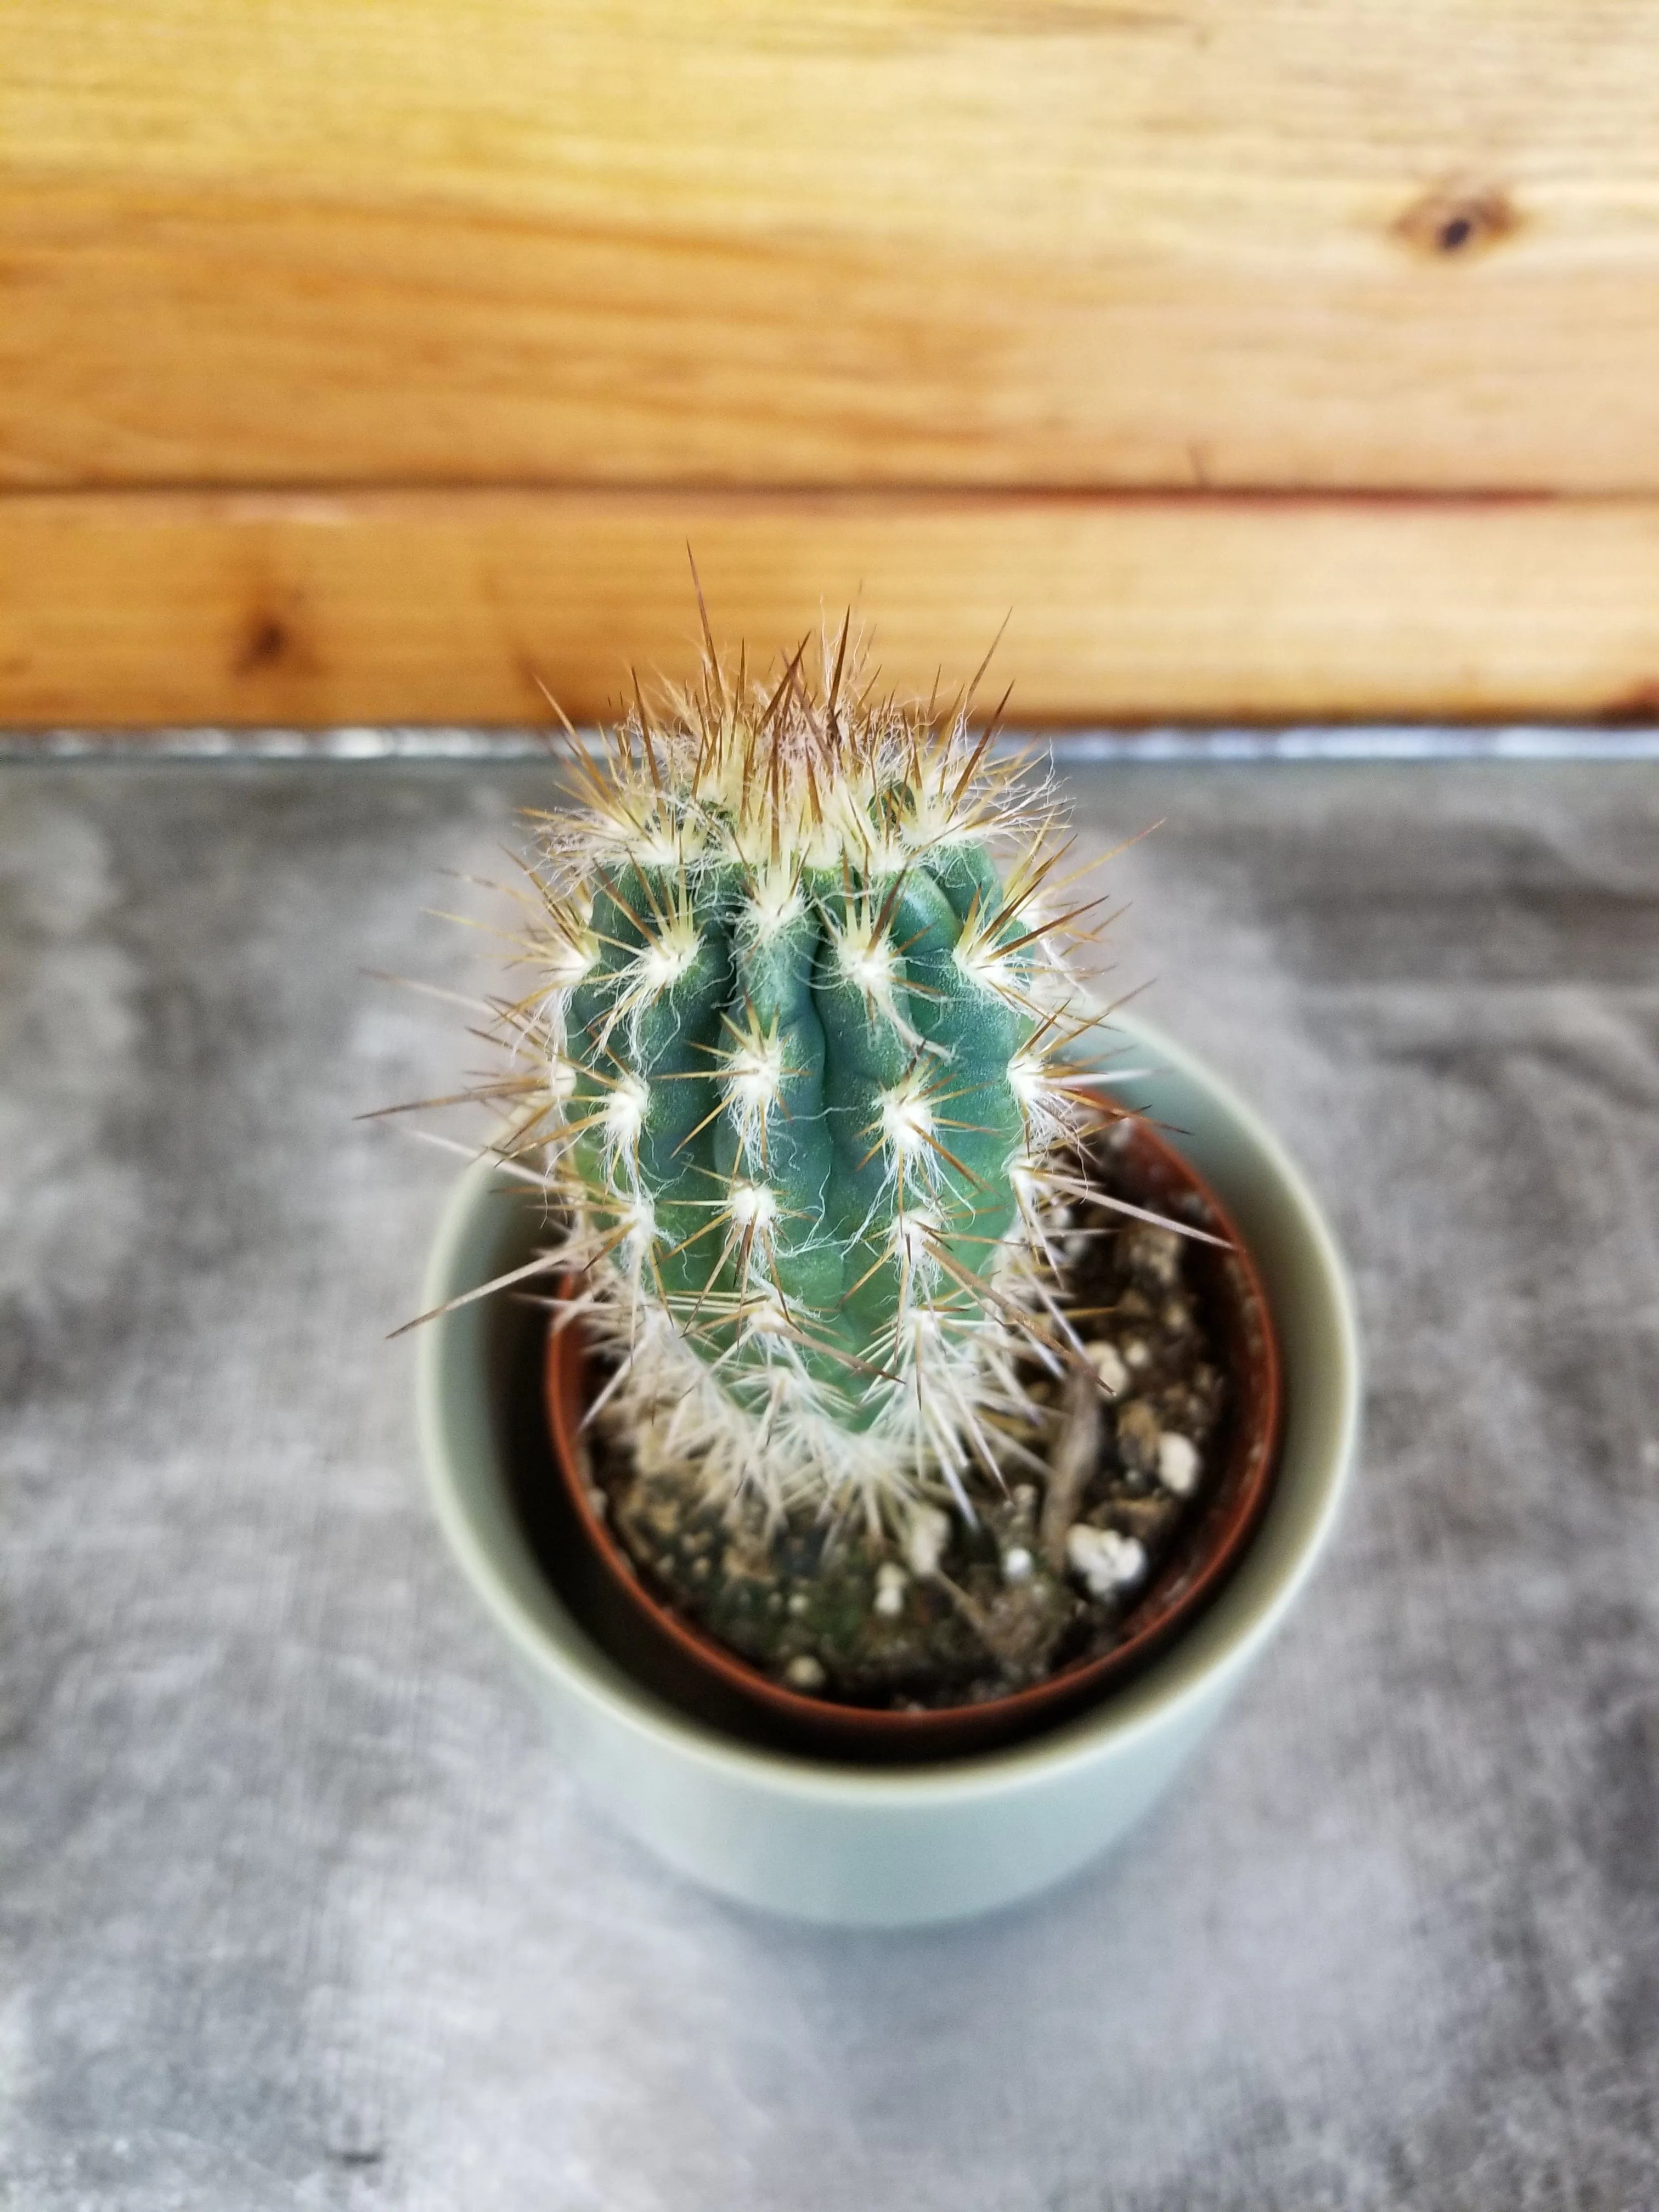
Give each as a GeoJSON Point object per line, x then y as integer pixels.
{"type": "Point", "coordinates": [1260, 358]}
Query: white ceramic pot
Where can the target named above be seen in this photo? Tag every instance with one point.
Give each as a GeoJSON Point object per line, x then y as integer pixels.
{"type": "Point", "coordinates": [897, 1847]}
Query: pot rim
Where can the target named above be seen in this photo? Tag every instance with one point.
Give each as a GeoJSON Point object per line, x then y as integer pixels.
{"type": "Point", "coordinates": [1223, 1639]}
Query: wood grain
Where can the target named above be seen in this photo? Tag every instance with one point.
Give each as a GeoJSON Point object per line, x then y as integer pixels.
{"type": "Point", "coordinates": [884, 242]}
{"type": "Point", "coordinates": [130, 610]}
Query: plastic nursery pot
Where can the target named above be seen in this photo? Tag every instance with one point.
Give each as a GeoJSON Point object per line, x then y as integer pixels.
{"type": "Point", "coordinates": [644, 1629]}
{"type": "Point", "coordinates": [838, 1838]}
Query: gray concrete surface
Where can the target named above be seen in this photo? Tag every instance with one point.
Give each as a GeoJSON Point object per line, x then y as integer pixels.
{"type": "Point", "coordinates": [296, 1907]}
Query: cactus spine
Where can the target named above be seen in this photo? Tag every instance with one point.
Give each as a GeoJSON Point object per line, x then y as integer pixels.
{"type": "Point", "coordinates": [804, 1098]}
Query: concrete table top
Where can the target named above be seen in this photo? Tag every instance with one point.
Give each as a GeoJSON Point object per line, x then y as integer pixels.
{"type": "Point", "coordinates": [296, 1907]}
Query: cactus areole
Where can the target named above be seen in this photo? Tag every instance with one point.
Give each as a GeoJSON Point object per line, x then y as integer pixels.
{"type": "Point", "coordinates": [798, 1030]}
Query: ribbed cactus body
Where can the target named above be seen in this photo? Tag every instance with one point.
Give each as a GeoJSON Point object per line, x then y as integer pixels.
{"type": "Point", "coordinates": [816, 1108]}
{"type": "Point", "coordinates": [801, 1032]}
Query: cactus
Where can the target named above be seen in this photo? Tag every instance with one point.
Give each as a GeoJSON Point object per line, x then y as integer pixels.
{"type": "Point", "coordinates": [800, 1048]}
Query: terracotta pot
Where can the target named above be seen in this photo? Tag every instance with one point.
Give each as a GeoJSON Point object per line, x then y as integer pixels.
{"type": "Point", "coordinates": [645, 1628]}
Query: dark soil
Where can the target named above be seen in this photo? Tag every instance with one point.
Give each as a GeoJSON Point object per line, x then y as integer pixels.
{"type": "Point", "coordinates": [1055, 1570]}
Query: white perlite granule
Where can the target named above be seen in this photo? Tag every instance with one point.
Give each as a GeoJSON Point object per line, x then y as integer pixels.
{"type": "Point", "coordinates": [1178, 1462]}
{"type": "Point", "coordinates": [925, 1540]}
{"type": "Point", "coordinates": [1105, 1562]}
{"type": "Point", "coordinates": [1108, 1362]}
{"type": "Point", "coordinates": [892, 1582]}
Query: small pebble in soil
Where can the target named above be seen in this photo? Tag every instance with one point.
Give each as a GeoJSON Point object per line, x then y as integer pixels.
{"type": "Point", "coordinates": [1138, 1435]}
{"type": "Point", "coordinates": [1157, 1257]}
{"type": "Point", "coordinates": [804, 1673]}
{"type": "Point", "coordinates": [1103, 1561]}
{"type": "Point", "coordinates": [1018, 1564]}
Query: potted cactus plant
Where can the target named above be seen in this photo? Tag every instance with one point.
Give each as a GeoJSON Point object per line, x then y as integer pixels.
{"type": "Point", "coordinates": [906, 1393]}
